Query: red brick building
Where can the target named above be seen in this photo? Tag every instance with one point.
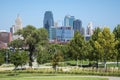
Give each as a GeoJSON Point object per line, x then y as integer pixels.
{"type": "Point", "coordinates": [5, 38]}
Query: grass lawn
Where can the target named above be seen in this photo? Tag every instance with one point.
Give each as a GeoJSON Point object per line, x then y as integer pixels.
{"type": "Point", "coordinates": [64, 78]}
{"type": "Point", "coordinates": [35, 76]}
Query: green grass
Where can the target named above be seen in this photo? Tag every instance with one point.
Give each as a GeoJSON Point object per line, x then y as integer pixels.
{"type": "Point", "coordinates": [54, 78]}
{"type": "Point", "coordinates": [37, 76]}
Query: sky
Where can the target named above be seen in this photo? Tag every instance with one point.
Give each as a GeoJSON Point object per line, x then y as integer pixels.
{"type": "Point", "coordinates": [99, 12]}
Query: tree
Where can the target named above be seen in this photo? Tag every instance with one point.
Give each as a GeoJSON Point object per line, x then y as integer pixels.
{"type": "Point", "coordinates": [42, 55]}
{"type": "Point", "coordinates": [2, 57]}
{"type": "Point", "coordinates": [105, 44]}
{"type": "Point", "coordinates": [18, 58]}
{"type": "Point", "coordinates": [18, 43]}
{"type": "Point", "coordinates": [32, 37]}
{"type": "Point", "coordinates": [94, 55]}
{"type": "Point", "coordinates": [76, 46]}
{"type": "Point", "coordinates": [65, 50]}
{"type": "Point", "coordinates": [57, 57]}
{"type": "Point", "coordinates": [24, 57]}
{"type": "Point", "coordinates": [15, 58]}
{"type": "Point", "coordinates": [116, 32]}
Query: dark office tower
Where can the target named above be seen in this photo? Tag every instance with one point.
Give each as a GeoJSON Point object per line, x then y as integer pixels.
{"type": "Point", "coordinates": [48, 20]}
{"type": "Point", "coordinates": [77, 25]}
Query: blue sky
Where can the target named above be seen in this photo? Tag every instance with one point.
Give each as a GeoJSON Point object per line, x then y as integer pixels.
{"type": "Point", "coordinates": [100, 12]}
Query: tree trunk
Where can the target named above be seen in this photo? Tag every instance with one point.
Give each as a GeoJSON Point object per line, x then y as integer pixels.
{"type": "Point", "coordinates": [77, 62]}
{"type": "Point", "coordinates": [97, 63]}
{"type": "Point", "coordinates": [15, 70]}
{"type": "Point", "coordinates": [105, 53]}
{"type": "Point", "coordinates": [105, 67]}
{"type": "Point", "coordinates": [81, 63]}
{"type": "Point", "coordinates": [31, 50]}
{"type": "Point", "coordinates": [30, 59]}
{"type": "Point", "coordinates": [117, 62]}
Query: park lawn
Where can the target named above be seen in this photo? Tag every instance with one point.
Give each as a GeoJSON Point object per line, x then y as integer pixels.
{"type": "Point", "coordinates": [52, 78]}
{"type": "Point", "coordinates": [37, 76]}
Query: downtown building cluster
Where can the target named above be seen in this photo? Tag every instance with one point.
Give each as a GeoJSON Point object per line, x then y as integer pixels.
{"type": "Point", "coordinates": [56, 33]}
{"type": "Point", "coordinates": [65, 32]}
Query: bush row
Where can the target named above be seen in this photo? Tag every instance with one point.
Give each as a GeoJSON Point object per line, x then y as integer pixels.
{"type": "Point", "coordinates": [72, 71]}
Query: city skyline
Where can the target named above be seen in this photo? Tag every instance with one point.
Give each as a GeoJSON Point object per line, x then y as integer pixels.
{"type": "Point", "coordinates": [100, 13]}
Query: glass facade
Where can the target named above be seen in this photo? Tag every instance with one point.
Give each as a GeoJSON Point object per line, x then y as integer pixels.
{"type": "Point", "coordinates": [77, 25]}
{"type": "Point", "coordinates": [52, 33]}
{"type": "Point", "coordinates": [48, 20]}
{"type": "Point", "coordinates": [68, 21]}
{"type": "Point", "coordinates": [62, 34]}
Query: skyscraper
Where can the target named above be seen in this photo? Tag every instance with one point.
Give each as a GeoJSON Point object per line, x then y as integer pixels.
{"type": "Point", "coordinates": [89, 30]}
{"type": "Point", "coordinates": [77, 25]}
{"type": "Point", "coordinates": [68, 21]}
{"type": "Point", "coordinates": [48, 20]}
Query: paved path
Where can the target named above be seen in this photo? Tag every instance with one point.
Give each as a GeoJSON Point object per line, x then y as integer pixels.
{"type": "Point", "coordinates": [109, 77]}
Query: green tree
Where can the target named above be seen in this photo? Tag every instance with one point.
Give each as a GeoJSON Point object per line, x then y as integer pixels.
{"type": "Point", "coordinates": [65, 50]}
{"type": "Point", "coordinates": [2, 57]}
{"type": "Point", "coordinates": [94, 55]}
{"type": "Point", "coordinates": [24, 57]}
{"type": "Point", "coordinates": [77, 47]}
{"type": "Point", "coordinates": [18, 58]}
{"type": "Point", "coordinates": [15, 58]}
{"type": "Point", "coordinates": [16, 44]}
{"type": "Point", "coordinates": [32, 37]}
{"type": "Point", "coordinates": [57, 57]}
{"type": "Point", "coordinates": [105, 44]}
{"type": "Point", "coordinates": [116, 32]}
{"type": "Point", "coordinates": [42, 55]}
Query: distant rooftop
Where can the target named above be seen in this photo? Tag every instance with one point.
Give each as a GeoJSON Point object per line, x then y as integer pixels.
{"type": "Point", "coordinates": [3, 31]}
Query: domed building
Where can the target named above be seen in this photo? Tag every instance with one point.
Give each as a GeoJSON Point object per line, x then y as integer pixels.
{"type": "Point", "coordinates": [18, 23]}
{"type": "Point", "coordinates": [16, 27]}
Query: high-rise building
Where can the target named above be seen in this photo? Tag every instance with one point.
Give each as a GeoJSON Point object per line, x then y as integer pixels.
{"type": "Point", "coordinates": [16, 27]}
{"type": "Point", "coordinates": [89, 30]}
{"type": "Point", "coordinates": [52, 33]}
{"type": "Point", "coordinates": [77, 25]}
{"type": "Point", "coordinates": [48, 20]}
{"type": "Point", "coordinates": [12, 30]}
{"type": "Point", "coordinates": [68, 21]}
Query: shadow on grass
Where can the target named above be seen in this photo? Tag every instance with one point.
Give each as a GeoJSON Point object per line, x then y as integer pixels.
{"type": "Point", "coordinates": [12, 74]}
{"type": "Point", "coordinates": [48, 75]}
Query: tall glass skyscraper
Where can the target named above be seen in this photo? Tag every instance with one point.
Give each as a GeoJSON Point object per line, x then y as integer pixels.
{"type": "Point", "coordinates": [77, 25]}
{"type": "Point", "coordinates": [68, 21]}
{"type": "Point", "coordinates": [48, 20]}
